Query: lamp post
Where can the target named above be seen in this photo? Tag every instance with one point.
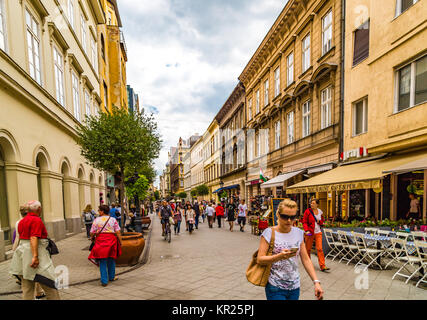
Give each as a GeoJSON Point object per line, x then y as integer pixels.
{"type": "Point", "coordinates": [221, 184]}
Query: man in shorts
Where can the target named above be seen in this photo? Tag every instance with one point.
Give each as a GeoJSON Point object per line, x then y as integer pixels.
{"type": "Point", "coordinates": [241, 217]}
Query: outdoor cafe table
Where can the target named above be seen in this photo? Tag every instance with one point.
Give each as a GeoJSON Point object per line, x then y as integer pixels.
{"type": "Point", "coordinates": [380, 241]}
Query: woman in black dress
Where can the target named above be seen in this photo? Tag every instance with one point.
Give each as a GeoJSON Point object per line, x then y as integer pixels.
{"type": "Point", "coordinates": [231, 213]}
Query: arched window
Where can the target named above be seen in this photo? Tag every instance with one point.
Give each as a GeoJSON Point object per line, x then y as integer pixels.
{"type": "Point", "coordinates": [102, 47]}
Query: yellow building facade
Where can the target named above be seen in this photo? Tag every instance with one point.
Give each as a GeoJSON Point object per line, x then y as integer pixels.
{"type": "Point", "coordinates": [385, 139]}
{"type": "Point", "coordinates": [211, 166]}
{"type": "Point", "coordinates": [293, 93]}
{"type": "Point", "coordinates": [232, 120]}
{"type": "Point", "coordinates": [49, 83]}
{"type": "Point", "coordinates": [113, 58]}
{"type": "Point", "coordinates": [385, 96]}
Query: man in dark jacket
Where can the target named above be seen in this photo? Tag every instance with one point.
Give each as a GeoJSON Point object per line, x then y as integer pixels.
{"type": "Point", "coordinates": [197, 211]}
{"type": "Point", "coordinates": [165, 214]}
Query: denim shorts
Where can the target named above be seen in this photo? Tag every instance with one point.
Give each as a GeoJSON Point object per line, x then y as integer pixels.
{"type": "Point", "coordinates": [275, 293]}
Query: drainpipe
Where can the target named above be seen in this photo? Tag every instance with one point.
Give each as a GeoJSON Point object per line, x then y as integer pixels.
{"type": "Point", "coordinates": [341, 146]}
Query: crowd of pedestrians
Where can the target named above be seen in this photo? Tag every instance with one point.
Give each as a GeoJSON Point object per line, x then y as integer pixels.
{"type": "Point", "coordinates": [33, 268]}
{"type": "Point", "coordinates": [197, 212]}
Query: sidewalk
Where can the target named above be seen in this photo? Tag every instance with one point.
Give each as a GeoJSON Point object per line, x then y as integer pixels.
{"type": "Point", "coordinates": [73, 253]}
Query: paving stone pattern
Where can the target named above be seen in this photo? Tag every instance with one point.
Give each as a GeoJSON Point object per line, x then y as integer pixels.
{"type": "Point", "coordinates": [210, 264]}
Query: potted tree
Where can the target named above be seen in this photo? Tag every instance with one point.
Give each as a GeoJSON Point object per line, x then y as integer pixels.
{"type": "Point", "coordinates": [193, 193]}
{"type": "Point", "coordinates": [182, 195]}
{"type": "Point", "coordinates": [121, 142]}
{"type": "Point", "coordinates": [202, 190]}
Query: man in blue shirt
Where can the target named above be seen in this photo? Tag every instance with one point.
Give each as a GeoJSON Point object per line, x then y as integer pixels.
{"type": "Point", "coordinates": [112, 212]}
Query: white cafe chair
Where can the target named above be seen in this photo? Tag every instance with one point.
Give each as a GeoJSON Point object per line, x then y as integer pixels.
{"type": "Point", "coordinates": [419, 235]}
{"type": "Point", "coordinates": [336, 246]}
{"type": "Point", "coordinates": [422, 253]}
{"type": "Point", "coordinates": [408, 260]}
{"type": "Point", "coordinates": [368, 254]}
{"type": "Point", "coordinates": [350, 250]}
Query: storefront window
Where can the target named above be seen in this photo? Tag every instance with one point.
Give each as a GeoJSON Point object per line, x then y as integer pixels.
{"type": "Point", "coordinates": [412, 182]}
{"type": "Point", "coordinates": [357, 205]}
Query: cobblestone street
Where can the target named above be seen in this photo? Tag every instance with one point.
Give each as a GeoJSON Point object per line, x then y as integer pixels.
{"type": "Point", "coordinates": [210, 264]}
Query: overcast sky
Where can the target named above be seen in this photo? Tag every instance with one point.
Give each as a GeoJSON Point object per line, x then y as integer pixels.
{"type": "Point", "coordinates": [184, 57]}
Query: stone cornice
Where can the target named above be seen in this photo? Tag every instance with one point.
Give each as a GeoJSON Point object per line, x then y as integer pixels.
{"type": "Point", "coordinates": [235, 96]}
{"type": "Point", "coordinates": [268, 40]}
{"type": "Point", "coordinates": [50, 175]}
{"type": "Point", "coordinates": [15, 166]}
{"type": "Point", "coordinates": [84, 183]}
{"type": "Point", "coordinates": [71, 180]}
{"type": "Point", "coordinates": [55, 33]}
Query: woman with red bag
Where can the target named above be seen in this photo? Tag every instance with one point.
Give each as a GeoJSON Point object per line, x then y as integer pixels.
{"type": "Point", "coordinates": [105, 232]}
{"type": "Point", "coordinates": [312, 221]}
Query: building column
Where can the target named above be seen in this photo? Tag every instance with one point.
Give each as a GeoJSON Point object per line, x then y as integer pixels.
{"type": "Point", "coordinates": [367, 202]}
{"type": "Point", "coordinates": [242, 190]}
{"type": "Point", "coordinates": [393, 202]}
{"type": "Point", "coordinates": [21, 187]}
{"type": "Point", "coordinates": [93, 194]}
{"type": "Point", "coordinates": [301, 204]}
{"type": "Point", "coordinates": [72, 205]}
{"type": "Point", "coordinates": [18, 176]}
{"type": "Point", "coordinates": [52, 204]}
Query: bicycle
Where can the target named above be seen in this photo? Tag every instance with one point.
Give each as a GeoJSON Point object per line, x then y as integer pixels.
{"type": "Point", "coordinates": [168, 233]}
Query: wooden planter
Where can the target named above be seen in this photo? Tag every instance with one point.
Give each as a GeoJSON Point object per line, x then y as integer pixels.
{"type": "Point", "coordinates": [132, 246]}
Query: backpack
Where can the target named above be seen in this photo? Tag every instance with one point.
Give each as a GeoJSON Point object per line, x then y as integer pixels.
{"type": "Point", "coordinates": [88, 217]}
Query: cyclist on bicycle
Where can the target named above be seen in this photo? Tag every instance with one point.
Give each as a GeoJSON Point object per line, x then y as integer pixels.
{"type": "Point", "coordinates": [165, 212]}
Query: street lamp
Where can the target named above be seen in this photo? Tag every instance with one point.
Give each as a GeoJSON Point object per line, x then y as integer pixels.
{"type": "Point", "coordinates": [221, 183]}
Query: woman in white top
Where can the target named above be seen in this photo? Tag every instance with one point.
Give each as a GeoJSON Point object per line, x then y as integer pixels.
{"type": "Point", "coordinates": [284, 279]}
{"type": "Point", "coordinates": [190, 217]}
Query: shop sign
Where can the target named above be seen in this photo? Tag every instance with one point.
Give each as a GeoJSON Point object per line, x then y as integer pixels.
{"type": "Point", "coordinates": [255, 181]}
{"type": "Point", "coordinates": [354, 153]}
{"type": "Point", "coordinates": [110, 181]}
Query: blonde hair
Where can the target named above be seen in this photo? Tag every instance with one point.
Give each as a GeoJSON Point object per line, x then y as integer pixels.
{"type": "Point", "coordinates": [88, 208]}
{"type": "Point", "coordinates": [288, 203]}
{"type": "Point", "coordinates": [23, 210]}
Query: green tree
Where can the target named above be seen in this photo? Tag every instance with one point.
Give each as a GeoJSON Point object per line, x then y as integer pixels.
{"type": "Point", "coordinates": [223, 194]}
{"type": "Point", "coordinates": [182, 195]}
{"type": "Point", "coordinates": [193, 193]}
{"type": "Point", "coordinates": [119, 141]}
{"type": "Point", "coordinates": [202, 190]}
{"type": "Point", "coordinates": [137, 188]}
{"type": "Point", "coordinates": [157, 195]}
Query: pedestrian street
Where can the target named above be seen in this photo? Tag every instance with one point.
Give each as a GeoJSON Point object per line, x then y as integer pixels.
{"type": "Point", "coordinates": [210, 264]}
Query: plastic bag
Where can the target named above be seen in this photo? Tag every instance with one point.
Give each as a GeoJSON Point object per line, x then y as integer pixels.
{"type": "Point", "coordinates": [171, 221]}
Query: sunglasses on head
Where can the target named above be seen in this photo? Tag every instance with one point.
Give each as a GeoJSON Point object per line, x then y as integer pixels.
{"type": "Point", "coordinates": [286, 217]}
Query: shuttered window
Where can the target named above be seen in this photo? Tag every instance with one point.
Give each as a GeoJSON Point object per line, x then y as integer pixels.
{"type": "Point", "coordinates": [361, 43]}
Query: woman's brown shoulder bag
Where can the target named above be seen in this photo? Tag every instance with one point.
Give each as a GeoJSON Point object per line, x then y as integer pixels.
{"type": "Point", "coordinates": [258, 274]}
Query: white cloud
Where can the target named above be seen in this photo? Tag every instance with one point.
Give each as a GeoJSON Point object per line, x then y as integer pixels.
{"type": "Point", "coordinates": [184, 57]}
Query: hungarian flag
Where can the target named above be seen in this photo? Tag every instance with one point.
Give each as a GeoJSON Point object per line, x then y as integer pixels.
{"type": "Point", "coordinates": [261, 175]}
